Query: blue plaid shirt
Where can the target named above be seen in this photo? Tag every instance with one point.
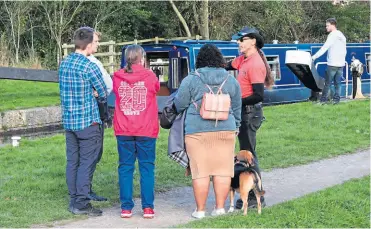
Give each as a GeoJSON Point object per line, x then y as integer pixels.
{"type": "Point", "coordinates": [77, 78]}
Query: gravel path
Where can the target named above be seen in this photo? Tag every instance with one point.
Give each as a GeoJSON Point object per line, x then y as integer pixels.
{"type": "Point", "coordinates": [175, 207]}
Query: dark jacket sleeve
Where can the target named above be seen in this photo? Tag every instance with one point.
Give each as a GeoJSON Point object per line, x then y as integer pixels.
{"type": "Point", "coordinates": [256, 97]}
{"type": "Point", "coordinates": [229, 66]}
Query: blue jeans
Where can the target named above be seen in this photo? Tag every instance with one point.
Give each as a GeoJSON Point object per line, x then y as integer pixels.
{"type": "Point", "coordinates": [332, 74]}
{"type": "Point", "coordinates": [130, 148]}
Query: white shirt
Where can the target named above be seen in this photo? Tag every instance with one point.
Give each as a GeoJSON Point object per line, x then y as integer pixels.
{"type": "Point", "coordinates": [336, 46]}
{"type": "Point", "coordinates": [106, 77]}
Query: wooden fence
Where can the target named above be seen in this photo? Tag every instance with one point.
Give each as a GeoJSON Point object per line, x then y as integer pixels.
{"type": "Point", "coordinates": [111, 53]}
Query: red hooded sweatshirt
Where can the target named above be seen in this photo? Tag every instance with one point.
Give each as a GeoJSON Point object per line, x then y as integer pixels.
{"type": "Point", "coordinates": [136, 111]}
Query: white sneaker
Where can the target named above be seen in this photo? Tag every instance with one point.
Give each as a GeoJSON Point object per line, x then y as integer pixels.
{"type": "Point", "coordinates": [219, 211]}
{"type": "Point", "coordinates": [198, 214]}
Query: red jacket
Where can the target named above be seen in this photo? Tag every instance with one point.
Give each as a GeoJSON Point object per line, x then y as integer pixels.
{"type": "Point", "coordinates": [136, 111]}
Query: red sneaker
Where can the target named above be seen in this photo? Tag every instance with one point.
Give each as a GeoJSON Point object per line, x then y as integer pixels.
{"type": "Point", "coordinates": [126, 213]}
{"type": "Point", "coordinates": [148, 213]}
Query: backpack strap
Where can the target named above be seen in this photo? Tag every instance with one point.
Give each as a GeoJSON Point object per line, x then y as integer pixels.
{"type": "Point", "coordinates": [220, 86]}
{"type": "Point", "coordinates": [198, 74]}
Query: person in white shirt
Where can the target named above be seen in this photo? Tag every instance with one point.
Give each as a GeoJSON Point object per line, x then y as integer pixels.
{"type": "Point", "coordinates": [335, 46]}
{"type": "Point", "coordinates": [103, 110]}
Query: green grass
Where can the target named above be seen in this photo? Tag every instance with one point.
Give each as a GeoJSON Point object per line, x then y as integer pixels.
{"type": "Point", "coordinates": [32, 177]}
{"type": "Point", "coordinates": [18, 94]}
{"type": "Point", "coordinates": [303, 132]}
{"type": "Point", "coordinates": [341, 206]}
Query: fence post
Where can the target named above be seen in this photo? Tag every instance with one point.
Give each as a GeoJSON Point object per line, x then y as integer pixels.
{"type": "Point", "coordinates": [156, 40]}
{"type": "Point", "coordinates": [197, 37]}
{"type": "Point", "coordinates": [111, 50]}
{"type": "Point", "coordinates": [135, 41]}
{"type": "Point", "coordinates": [65, 50]}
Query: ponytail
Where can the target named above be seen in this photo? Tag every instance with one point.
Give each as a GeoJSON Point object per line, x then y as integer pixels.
{"type": "Point", "coordinates": [128, 68]}
{"type": "Point", "coordinates": [269, 81]}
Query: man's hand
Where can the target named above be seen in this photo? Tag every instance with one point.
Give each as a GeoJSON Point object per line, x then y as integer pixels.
{"type": "Point", "coordinates": [313, 58]}
{"type": "Point", "coordinates": [95, 93]}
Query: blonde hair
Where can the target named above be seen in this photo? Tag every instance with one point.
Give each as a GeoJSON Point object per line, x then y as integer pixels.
{"type": "Point", "coordinates": [133, 55]}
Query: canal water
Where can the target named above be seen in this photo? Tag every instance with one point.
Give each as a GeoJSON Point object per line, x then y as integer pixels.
{"type": "Point", "coordinates": [32, 133]}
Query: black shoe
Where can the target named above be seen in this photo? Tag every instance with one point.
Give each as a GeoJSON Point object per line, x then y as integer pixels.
{"type": "Point", "coordinates": [95, 197]}
{"type": "Point", "coordinates": [88, 210]}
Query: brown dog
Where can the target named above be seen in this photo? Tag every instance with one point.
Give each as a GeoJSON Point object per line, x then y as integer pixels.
{"type": "Point", "coordinates": [248, 180]}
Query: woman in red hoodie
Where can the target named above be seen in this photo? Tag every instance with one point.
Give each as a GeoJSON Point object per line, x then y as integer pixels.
{"type": "Point", "coordinates": [136, 129]}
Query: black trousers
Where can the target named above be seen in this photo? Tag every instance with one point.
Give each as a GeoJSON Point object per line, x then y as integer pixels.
{"type": "Point", "coordinates": [252, 117]}
{"type": "Point", "coordinates": [82, 151]}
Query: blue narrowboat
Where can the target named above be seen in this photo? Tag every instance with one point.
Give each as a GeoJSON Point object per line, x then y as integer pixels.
{"type": "Point", "coordinates": [173, 60]}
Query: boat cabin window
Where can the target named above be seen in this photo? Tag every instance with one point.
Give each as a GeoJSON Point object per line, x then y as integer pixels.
{"type": "Point", "coordinates": [158, 62]}
{"type": "Point", "coordinates": [184, 71]}
{"type": "Point", "coordinates": [274, 64]}
{"type": "Point", "coordinates": [232, 72]}
{"type": "Point", "coordinates": [174, 74]}
{"type": "Point", "coordinates": [368, 62]}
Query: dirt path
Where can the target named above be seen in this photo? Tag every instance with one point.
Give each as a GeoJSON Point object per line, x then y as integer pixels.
{"type": "Point", "coordinates": [175, 207]}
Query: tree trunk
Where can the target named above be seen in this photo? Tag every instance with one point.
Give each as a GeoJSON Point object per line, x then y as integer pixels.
{"type": "Point", "coordinates": [205, 19]}
{"type": "Point", "coordinates": [196, 17]}
{"type": "Point", "coordinates": [184, 23]}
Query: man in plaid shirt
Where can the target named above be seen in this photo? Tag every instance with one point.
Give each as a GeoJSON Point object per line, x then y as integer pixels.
{"type": "Point", "coordinates": [78, 78]}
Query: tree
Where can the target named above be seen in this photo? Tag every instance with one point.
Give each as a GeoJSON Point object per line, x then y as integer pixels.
{"type": "Point", "coordinates": [16, 22]}
{"type": "Point", "coordinates": [184, 23]}
{"type": "Point", "coordinates": [59, 15]}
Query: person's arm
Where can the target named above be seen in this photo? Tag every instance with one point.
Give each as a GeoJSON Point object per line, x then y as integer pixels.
{"type": "Point", "coordinates": [330, 40]}
{"type": "Point", "coordinates": [106, 76]}
{"type": "Point", "coordinates": [229, 66]}
{"type": "Point", "coordinates": [96, 80]}
{"type": "Point", "coordinates": [183, 96]}
{"type": "Point", "coordinates": [257, 95]}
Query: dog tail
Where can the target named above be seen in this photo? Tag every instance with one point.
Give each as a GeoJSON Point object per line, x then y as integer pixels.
{"type": "Point", "coordinates": [258, 183]}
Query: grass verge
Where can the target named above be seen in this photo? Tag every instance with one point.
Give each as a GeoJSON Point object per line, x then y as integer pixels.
{"type": "Point", "coordinates": [303, 132]}
{"type": "Point", "coordinates": [18, 94]}
{"type": "Point", "coordinates": [341, 206]}
{"type": "Point", "coordinates": [32, 177]}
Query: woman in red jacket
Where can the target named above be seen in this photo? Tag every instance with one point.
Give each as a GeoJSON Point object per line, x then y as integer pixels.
{"type": "Point", "coordinates": [136, 128]}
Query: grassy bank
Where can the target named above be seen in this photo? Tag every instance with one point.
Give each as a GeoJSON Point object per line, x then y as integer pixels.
{"type": "Point", "coordinates": [32, 178]}
{"type": "Point", "coordinates": [17, 94]}
{"type": "Point", "coordinates": [341, 206]}
{"type": "Point", "coordinates": [299, 133]}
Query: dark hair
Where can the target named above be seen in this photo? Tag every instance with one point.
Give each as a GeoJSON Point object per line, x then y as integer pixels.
{"type": "Point", "coordinates": [210, 56]}
{"type": "Point", "coordinates": [133, 55]}
{"type": "Point", "coordinates": [268, 81]}
{"type": "Point", "coordinates": [332, 21]}
{"type": "Point", "coordinates": [82, 37]}
{"type": "Point", "coordinates": [259, 39]}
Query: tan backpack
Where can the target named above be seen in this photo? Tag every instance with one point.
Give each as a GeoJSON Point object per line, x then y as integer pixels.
{"type": "Point", "coordinates": [215, 106]}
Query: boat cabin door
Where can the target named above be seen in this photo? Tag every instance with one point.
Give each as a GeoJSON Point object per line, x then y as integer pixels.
{"type": "Point", "coordinates": [174, 70]}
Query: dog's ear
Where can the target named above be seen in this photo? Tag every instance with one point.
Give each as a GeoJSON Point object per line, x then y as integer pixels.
{"type": "Point", "coordinates": [250, 158]}
{"type": "Point", "coordinates": [240, 156]}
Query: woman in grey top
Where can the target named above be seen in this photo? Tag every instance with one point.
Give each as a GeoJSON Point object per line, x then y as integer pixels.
{"type": "Point", "coordinates": [210, 147]}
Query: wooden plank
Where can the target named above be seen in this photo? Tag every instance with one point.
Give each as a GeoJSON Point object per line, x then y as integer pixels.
{"type": "Point", "coordinates": [28, 74]}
